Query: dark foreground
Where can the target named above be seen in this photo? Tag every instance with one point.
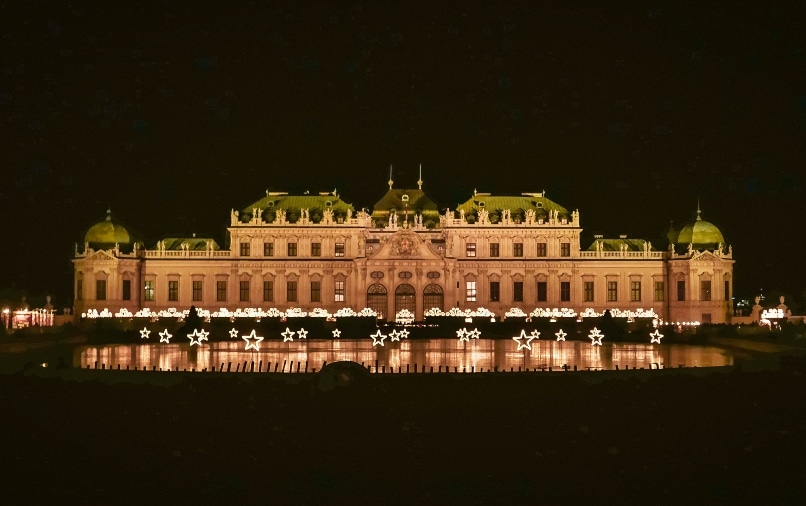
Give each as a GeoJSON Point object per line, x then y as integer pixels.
{"type": "Point", "coordinates": [506, 439]}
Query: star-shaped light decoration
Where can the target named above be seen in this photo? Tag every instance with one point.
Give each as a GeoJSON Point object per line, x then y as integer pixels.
{"type": "Point", "coordinates": [596, 337]}
{"type": "Point", "coordinates": [336, 333]}
{"type": "Point", "coordinates": [656, 336]}
{"type": "Point", "coordinates": [288, 335]}
{"type": "Point", "coordinates": [394, 335]}
{"type": "Point", "coordinates": [474, 334]}
{"type": "Point", "coordinates": [463, 335]}
{"type": "Point", "coordinates": [535, 334]}
{"type": "Point", "coordinates": [560, 335]}
{"type": "Point", "coordinates": [145, 333]}
{"type": "Point", "coordinates": [165, 336]}
{"type": "Point", "coordinates": [377, 338]}
{"type": "Point", "coordinates": [404, 334]}
{"type": "Point", "coordinates": [302, 333]}
{"type": "Point", "coordinates": [197, 337]}
{"type": "Point", "coordinates": [252, 341]}
{"type": "Point", "coordinates": [520, 340]}
{"type": "Point", "coordinates": [233, 333]}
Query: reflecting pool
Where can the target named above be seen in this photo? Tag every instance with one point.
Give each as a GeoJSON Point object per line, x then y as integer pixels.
{"type": "Point", "coordinates": [476, 355]}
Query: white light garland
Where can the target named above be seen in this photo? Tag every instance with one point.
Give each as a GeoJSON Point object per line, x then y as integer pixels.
{"type": "Point", "coordinates": [288, 335]}
{"type": "Point", "coordinates": [252, 341]}
{"type": "Point", "coordinates": [165, 336]}
{"type": "Point", "coordinates": [377, 338]}
{"type": "Point", "coordinates": [596, 337]}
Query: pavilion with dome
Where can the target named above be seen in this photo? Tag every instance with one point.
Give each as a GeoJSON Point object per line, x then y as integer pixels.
{"type": "Point", "coordinates": [499, 252]}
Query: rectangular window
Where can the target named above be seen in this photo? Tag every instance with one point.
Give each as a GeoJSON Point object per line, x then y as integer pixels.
{"type": "Point", "coordinates": [541, 249]}
{"type": "Point", "coordinates": [587, 291]}
{"type": "Point", "coordinates": [565, 291]}
{"type": "Point", "coordinates": [127, 289]}
{"type": "Point", "coordinates": [470, 289]}
{"type": "Point", "coordinates": [245, 249]}
{"type": "Point", "coordinates": [100, 289]}
{"type": "Point", "coordinates": [221, 291]}
{"type": "Point", "coordinates": [316, 249]}
{"type": "Point", "coordinates": [268, 249]}
{"type": "Point", "coordinates": [727, 290]}
{"type": "Point", "coordinates": [197, 290]}
{"type": "Point", "coordinates": [470, 249]}
{"type": "Point", "coordinates": [517, 249]}
{"type": "Point", "coordinates": [635, 291]}
{"type": "Point", "coordinates": [268, 291]}
{"type": "Point", "coordinates": [612, 291]}
{"type": "Point", "coordinates": [173, 291]}
{"type": "Point", "coordinates": [705, 290]}
{"type": "Point", "coordinates": [339, 249]}
{"type": "Point", "coordinates": [542, 291]}
{"type": "Point", "coordinates": [243, 292]}
{"type": "Point", "coordinates": [292, 249]}
{"type": "Point", "coordinates": [339, 291]}
{"type": "Point", "coordinates": [316, 291]}
{"type": "Point", "coordinates": [495, 291]}
{"type": "Point", "coordinates": [681, 290]}
{"type": "Point", "coordinates": [80, 289]}
{"type": "Point", "coordinates": [565, 249]}
{"type": "Point", "coordinates": [494, 249]}
{"type": "Point", "coordinates": [291, 291]}
{"type": "Point", "coordinates": [517, 291]}
{"type": "Point", "coordinates": [148, 290]}
{"type": "Point", "coordinates": [659, 291]}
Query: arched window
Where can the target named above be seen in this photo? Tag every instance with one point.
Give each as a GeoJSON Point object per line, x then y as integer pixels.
{"type": "Point", "coordinates": [405, 298]}
{"type": "Point", "coordinates": [377, 299]}
{"type": "Point", "coordinates": [433, 296]}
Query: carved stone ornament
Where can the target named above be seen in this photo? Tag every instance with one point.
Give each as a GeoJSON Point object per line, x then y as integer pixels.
{"type": "Point", "coordinates": [405, 245]}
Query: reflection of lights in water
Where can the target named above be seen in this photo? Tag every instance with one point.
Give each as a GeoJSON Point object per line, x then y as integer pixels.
{"type": "Point", "coordinates": [449, 353]}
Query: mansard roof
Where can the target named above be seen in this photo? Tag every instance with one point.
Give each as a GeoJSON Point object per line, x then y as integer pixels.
{"type": "Point", "coordinates": [515, 203]}
{"type": "Point", "coordinates": [395, 198]}
{"type": "Point", "coordinates": [294, 203]}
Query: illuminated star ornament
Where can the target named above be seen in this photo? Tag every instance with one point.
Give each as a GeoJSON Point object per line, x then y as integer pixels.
{"type": "Point", "coordinates": [165, 336]}
{"type": "Point", "coordinates": [535, 334]}
{"type": "Point", "coordinates": [560, 335]}
{"type": "Point", "coordinates": [596, 337]}
{"type": "Point", "coordinates": [394, 335]}
{"type": "Point", "coordinates": [302, 333]}
{"type": "Point", "coordinates": [463, 335]}
{"type": "Point", "coordinates": [377, 338]}
{"type": "Point", "coordinates": [474, 334]}
{"type": "Point", "coordinates": [197, 337]}
{"type": "Point", "coordinates": [233, 333]}
{"type": "Point", "coordinates": [404, 334]}
{"type": "Point", "coordinates": [656, 336]}
{"type": "Point", "coordinates": [145, 333]}
{"type": "Point", "coordinates": [336, 333]}
{"type": "Point", "coordinates": [520, 340]}
{"type": "Point", "coordinates": [252, 341]}
{"type": "Point", "coordinates": [288, 335]}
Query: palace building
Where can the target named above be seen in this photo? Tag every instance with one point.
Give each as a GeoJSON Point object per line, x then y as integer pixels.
{"type": "Point", "coordinates": [495, 252]}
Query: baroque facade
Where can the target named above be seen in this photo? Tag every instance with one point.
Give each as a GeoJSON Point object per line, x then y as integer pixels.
{"type": "Point", "coordinates": [497, 252]}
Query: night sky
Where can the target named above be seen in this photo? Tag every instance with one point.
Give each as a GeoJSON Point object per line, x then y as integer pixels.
{"type": "Point", "coordinates": [172, 113]}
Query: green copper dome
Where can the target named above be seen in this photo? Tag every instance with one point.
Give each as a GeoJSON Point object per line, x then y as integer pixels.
{"type": "Point", "coordinates": [107, 233]}
{"type": "Point", "coordinates": [701, 235]}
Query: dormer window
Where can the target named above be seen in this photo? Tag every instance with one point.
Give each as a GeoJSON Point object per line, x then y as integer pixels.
{"type": "Point", "coordinates": [404, 198]}
{"type": "Point", "coordinates": [481, 204]}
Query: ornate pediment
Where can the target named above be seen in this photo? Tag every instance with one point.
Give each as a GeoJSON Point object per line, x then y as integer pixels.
{"type": "Point", "coordinates": [405, 244]}
{"type": "Point", "coordinates": [101, 255]}
{"type": "Point", "coordinates": [705, 256]}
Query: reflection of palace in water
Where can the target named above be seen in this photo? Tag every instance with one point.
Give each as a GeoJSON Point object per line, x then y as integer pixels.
{"type": "Point", "coordinates": [497, 252]}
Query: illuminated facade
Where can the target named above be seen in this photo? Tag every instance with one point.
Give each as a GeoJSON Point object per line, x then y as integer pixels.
{"type": "Point", "coordinates": [495, 252]}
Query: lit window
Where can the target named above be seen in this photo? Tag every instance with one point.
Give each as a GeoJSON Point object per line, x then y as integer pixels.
{"type": "Point", "coordinates": [148, 290]}
{"type": "Point", "coordinates": [470, 249]}
{"type": "Point", "coordinates": [470, 291]}
{"type": "Point", "coordinates": [339, 249]}
{"type": "Point", "coordinates": [659, 291]}
{"type": "Point", "coordinates": [339, 291]}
